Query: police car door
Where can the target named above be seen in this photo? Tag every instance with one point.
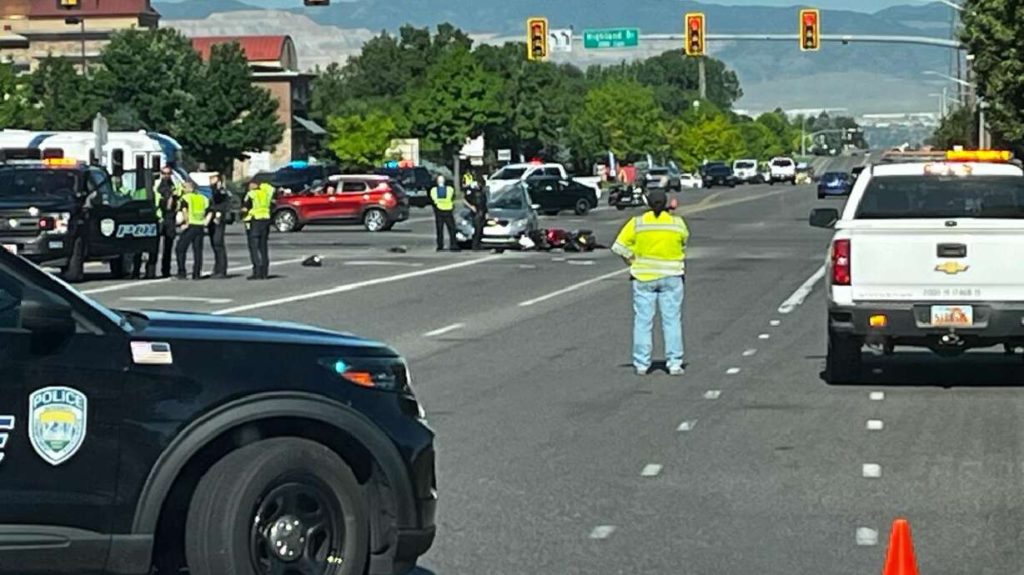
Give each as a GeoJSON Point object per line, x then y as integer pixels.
{"type": "Point", "coordinates": [63, 365]}
{"type": "Point", "coordinates": [122, 219]}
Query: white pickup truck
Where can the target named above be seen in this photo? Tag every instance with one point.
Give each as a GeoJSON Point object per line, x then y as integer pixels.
{"type": "Point", "coordinates": [513, 173]}
{"type": "Point", "coordinates": [926, 254]}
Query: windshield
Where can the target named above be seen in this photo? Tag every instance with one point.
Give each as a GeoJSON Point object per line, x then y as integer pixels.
{"type": "Point", "coordinates": [511, 198]}
{"type": "Point", "coordinates": [943, 197]}
{"type": "Point", "coordinates": [509, 174]}
{"type": "Point", "coordinates": [834, 176]}
{"type": "Point", "coordinates": [782, 163]}
{"type": "Point", "coordinates": [743, 165]}
{"type": "Point", "coordinates": [37, 183]}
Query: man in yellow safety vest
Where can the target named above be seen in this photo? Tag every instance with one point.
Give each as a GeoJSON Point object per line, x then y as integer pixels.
{"type": "Point", "coordinates": [256, 209]}
{"type": "Point", "coordinates": [654, 245]}
{"type": "Point", "coordinates": [195, 210]}
{"type": "Point", "coordinates": [443, 198]}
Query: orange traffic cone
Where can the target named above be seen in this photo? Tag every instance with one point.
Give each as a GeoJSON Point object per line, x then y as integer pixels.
{"type": "Point", "coordinates": [900, 559]}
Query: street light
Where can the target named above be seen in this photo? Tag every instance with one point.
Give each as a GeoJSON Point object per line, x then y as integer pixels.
{"type": "Point", "coordinates": [81, 22]}
{"type": "Point", "coordinates": [963, 83]}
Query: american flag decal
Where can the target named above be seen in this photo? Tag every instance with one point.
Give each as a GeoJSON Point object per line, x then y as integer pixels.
{"type": "Point", "coordinates": [151, 353]}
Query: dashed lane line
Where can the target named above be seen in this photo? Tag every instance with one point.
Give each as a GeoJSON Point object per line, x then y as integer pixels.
{"type": "Point", "coordinates": [866, 536]}
{"type": "Point", "coordinates": [444, 330]}
{"type": "Point", "coordinates": [871, 470]}
{"type": "Point", "coordinates": [749, 352]}
{"type": "Point", "coordinates": [801, 293]}
{"type": "Point", "coordinates": [875, 425]}
{"type": "Point", "coordinates": [355, 286]}
{"type": "Point", "coordinates": [687, 425]}
{"type": "Point", "coordinates": [732, 371]}
{"type": "Point", "coordinates": [876, 395]}
{"type": "Point", "coordinates": [602, 531]}
{"type": "Point", "coordinates": [764, 336]}
{"type": "Point", "coordinates": [712, 394]}
{"type": "Point", "coordinates": [650, 470]}
{"type": "Point", "coordinates": [775, 323]}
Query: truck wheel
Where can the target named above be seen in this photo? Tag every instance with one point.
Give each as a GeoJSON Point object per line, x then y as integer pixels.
{"type": "Point", "coordinates": [771, 182]}
{"type": "Point", "coordinates": [283, 505]}
{"type": "Point", "coordinates": [119, 267]}
{"type": "Point", "coordinates": [582, 207]}
{"type": "Point", "coordinates": [75, 270]}
{"type": "Point", "coordinates": [843, 363]}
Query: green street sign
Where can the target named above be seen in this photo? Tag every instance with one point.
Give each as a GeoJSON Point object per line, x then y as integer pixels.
{"type": "Point", "coordinates": [611, 38]}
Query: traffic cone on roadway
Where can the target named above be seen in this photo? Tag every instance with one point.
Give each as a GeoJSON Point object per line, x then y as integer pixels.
{"type": "Point", "coordinates": [900, 560]}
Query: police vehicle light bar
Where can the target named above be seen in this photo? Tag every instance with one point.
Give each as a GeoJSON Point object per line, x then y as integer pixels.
{"type": "Point", "coordinates": [990, 156]}
{"type": "Point", "coordinates": [59, 162]}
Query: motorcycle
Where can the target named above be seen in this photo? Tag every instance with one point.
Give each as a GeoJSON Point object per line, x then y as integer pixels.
{"type": "Point", "coordinates": [627, 197]}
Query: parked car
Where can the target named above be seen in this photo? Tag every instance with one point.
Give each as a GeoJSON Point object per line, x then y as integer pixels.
{"type": "Point", "coordinates": [654, 175]}
{"type": "Point", "coordinates": [374, 201]}
{"type": "Point", "coordinates": [415, 181]}
{"type": "Point", "coordinates": [746, 171]}
{"type": "Point", "coordinates": [554, 194]}
{"type": "Point", "coordinates": [834, 184]}
{"type": "Point", "coordinates": [782, 170]}
{"type": "Point", "coordinates": [691, 181]}
{"type": "Point", "coordinates": [510, 216]}
{"type": "Point", "coordinates": [719, 175]}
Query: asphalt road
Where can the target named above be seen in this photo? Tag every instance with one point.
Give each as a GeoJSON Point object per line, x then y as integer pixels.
{"type": "Point", "coordinates": [554, 458]}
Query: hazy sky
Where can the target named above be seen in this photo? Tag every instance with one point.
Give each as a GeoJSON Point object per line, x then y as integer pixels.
{"type": "Point", "coordinates": [861, 5]}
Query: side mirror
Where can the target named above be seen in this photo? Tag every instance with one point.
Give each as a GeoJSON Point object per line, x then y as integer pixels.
{"type": "Point", "coordinates": [48, 318]}
{"type": "Point", "coordinates": [824, 217]}
{"type": "Point", "coordinates": [535, 206]}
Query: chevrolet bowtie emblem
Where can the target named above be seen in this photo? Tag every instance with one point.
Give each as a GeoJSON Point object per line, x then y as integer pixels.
{"type": "Point", "coordinates": [951, 268]}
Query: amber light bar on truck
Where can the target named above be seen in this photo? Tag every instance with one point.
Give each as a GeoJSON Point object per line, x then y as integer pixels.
{"type": "Point", "coordinates": [991, 156]}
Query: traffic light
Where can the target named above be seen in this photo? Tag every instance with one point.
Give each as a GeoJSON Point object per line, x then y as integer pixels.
{"type": "Point", "coordinates": [537, 38]}
{"type": "Point", "coordinates": [318, 2]}
{"type": "Point", "coordinates": [67, 4]}
{"type": "Point", "coordinates": [695, 34]}
{"type": "Point", "coordinates": [810, 30]}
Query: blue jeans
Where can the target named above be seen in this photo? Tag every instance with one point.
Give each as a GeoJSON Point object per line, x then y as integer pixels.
{"type": "Point", "coordinates": [666, 294]}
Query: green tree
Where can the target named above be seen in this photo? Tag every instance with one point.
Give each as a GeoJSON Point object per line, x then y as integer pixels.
{"type": "Point", "coordinates": [958, 128]}
{"type": "Point", "coordinates": [712, 137]}
{"type": "Point", "coordinates": [152, 76]}
{"type": "Point", "coordinates": [759, 141]}
{"type": "Point", "coordinates": [787, 135]}
{"type": "Point", "coordinates": [230, 116]}
{"type": "Point", "coordinates": [993, 31]}
{"type": "Point", "coordinates": [458, 100]}
{"type": "Point", "coordinates": [15, 109]}
{"type": "Point", "coordinates": [360, 141]}
{"type": "Point", "coordinates": [63, 98]}
{"type": "Point", "coordinates": [621, 116]}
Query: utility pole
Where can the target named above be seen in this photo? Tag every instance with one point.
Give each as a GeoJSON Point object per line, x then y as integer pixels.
{"type": "Point", "coordinates": [982, 131]}
{"type": "Point", "coordinates": [702, 78]}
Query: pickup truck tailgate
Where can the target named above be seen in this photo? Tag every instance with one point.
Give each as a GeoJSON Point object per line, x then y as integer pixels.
{"type": "Point", "coordinates": [937, 260]}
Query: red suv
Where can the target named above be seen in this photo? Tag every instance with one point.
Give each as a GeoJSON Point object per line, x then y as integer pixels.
{"type": "Point", "coordinates": [377, 202]}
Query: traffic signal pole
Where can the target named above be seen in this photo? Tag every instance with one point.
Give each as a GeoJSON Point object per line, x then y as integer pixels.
{"type": "Point", "coordinates": [702, 77]}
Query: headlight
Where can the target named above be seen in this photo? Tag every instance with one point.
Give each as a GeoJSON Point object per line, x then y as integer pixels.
{"type": "Point", "coordinates": [383, 373]}
{"type": "Point", "coordinates": [519, 224]}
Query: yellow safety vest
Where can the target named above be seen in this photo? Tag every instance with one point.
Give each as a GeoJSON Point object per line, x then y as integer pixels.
{"type": "Point", "coordinates": [197, 205]}
{"type": "Point", "coordinates": [656, 245]}
{"type": "Point", "coordinates": [445, 204]}
{"type": "Point", "coordinates": [260, 198]}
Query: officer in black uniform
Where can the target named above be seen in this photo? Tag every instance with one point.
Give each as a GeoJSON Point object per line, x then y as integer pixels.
{"type": "Point", "coordinates": [168, 195]}
{"type": "Point", "coordinates": [219, 208]}
{"type": "Point", "coordinates": [476, 200]}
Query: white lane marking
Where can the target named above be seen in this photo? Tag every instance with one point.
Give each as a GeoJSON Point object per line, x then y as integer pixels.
{"type": "Point", "coordinates": [801, 293]}
{"type": "Point", "coordinates": [355, 285]}
{"type": "Point", "coordinates": [571, 288]}
{"type": "Point", "coordinates": [749, 352]}
{"type": "Point", "coordinates": [444, 330]}
{"type": "Point", "coordinates": [384, 263]}
{"type": "Point", "coordinates": [650, 470]}
{"type": "Point", "coordinates": [732, 370]}
{"type": "Point", "coordinates": [687, 425]}
{"type": "Point", "coordinates": [558, 259]}
{"type": "Point", "coordinates": [418, 220]}
{"type": "Point", "coordinates": [867, 536]}
{"type": "Point", "coordinates": [764, 336]}
{"type": "Point", "coordinates": [871, 470]}
{"type": "Point", "coordinates": [581, 262]}
{"type": "Point", "coordinates": [602, 531]}
{"type": "Point", "coordinates": [143, 283]}
{"type": "Point", "coordinates": [876, 395]}
{"type": "Point", "coordinates": [875, 424]}
{"type": "Point", "coordinates": [712, 394]}
{"type": "Point", "coordinates": [775, 323]}
{"type": "Point", "coordinates": [156, 298]}
{"type": "Point", "coordinates": [527, 267]}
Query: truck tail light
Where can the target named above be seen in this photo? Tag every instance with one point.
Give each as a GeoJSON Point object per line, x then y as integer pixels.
{"type": "Point", "coordinates": [841, 269]}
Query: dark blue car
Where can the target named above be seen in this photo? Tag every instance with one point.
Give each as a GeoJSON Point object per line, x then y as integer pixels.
{"type": "Point", "coordinates": [834, 184]}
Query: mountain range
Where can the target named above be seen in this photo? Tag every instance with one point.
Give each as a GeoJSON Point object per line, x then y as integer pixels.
{"type": "Point", "coordinates": [858, 77]}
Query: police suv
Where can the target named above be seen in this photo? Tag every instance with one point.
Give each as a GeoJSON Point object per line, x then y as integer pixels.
{"type": "Point", "coordinates": [61, 212]}
{"type": "Point", "coordinates": [926, 253]}
{"type": "Point", "coordinates": [137, 443]}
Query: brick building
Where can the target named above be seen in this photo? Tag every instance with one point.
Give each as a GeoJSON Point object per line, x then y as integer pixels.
{"type": "Point", "coordinates": [32, 29]}
{"type": "Point", "coordinates": [274, 67]}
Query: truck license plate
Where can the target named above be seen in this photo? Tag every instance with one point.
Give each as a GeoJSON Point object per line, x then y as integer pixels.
{"type": "Point", "coordinates": [952, 315]}
{"type": "Point", "coordinates": [13, 248]}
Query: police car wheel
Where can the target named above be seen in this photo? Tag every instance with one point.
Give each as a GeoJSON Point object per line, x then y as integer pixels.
{"type": "Point", "coordinates": [375, 220]}
{"type": "Point", "coordinates": [582, 207]}
{"type": "Point", "coordinates": [282, 505]}
{"type": "Point", "coordinates": [286, 221]}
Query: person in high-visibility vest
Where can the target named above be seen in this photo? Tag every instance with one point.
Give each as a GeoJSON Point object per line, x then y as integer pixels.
{"type": "Point", "coordinates": [195, 209]}
{"type": "Point", "coordinates": [443, 199]}
{"type": "Point", "coordinates": [256, 214]}
{"type": "Point", "coordinates": [654, 246]}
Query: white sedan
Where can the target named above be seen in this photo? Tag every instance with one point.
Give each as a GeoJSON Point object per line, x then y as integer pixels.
{"type": "Point", "coordinates": [691, 181]}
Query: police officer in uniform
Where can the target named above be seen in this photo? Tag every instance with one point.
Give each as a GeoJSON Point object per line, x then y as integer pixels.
{"type": "Point", "coordinates": [167, 196]}
{"type": "Point", "coordinates": [196, 210]}
{"type": "Point", "coordinates": [476, 201]}
{"type": "Point", "coordinates": [141, 193]}
{"type": "Point", "coordinates": [219, 208]}
{"type": "Point", "coordinates": [443, 199]}
{"type": "Point", "coordinates": [256, 213]}
{"type": "Point", "coordinates": [654, 246]}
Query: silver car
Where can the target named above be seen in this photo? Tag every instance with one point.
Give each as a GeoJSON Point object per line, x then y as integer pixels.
{"type": "Point", "coordinates": [511, 215]}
